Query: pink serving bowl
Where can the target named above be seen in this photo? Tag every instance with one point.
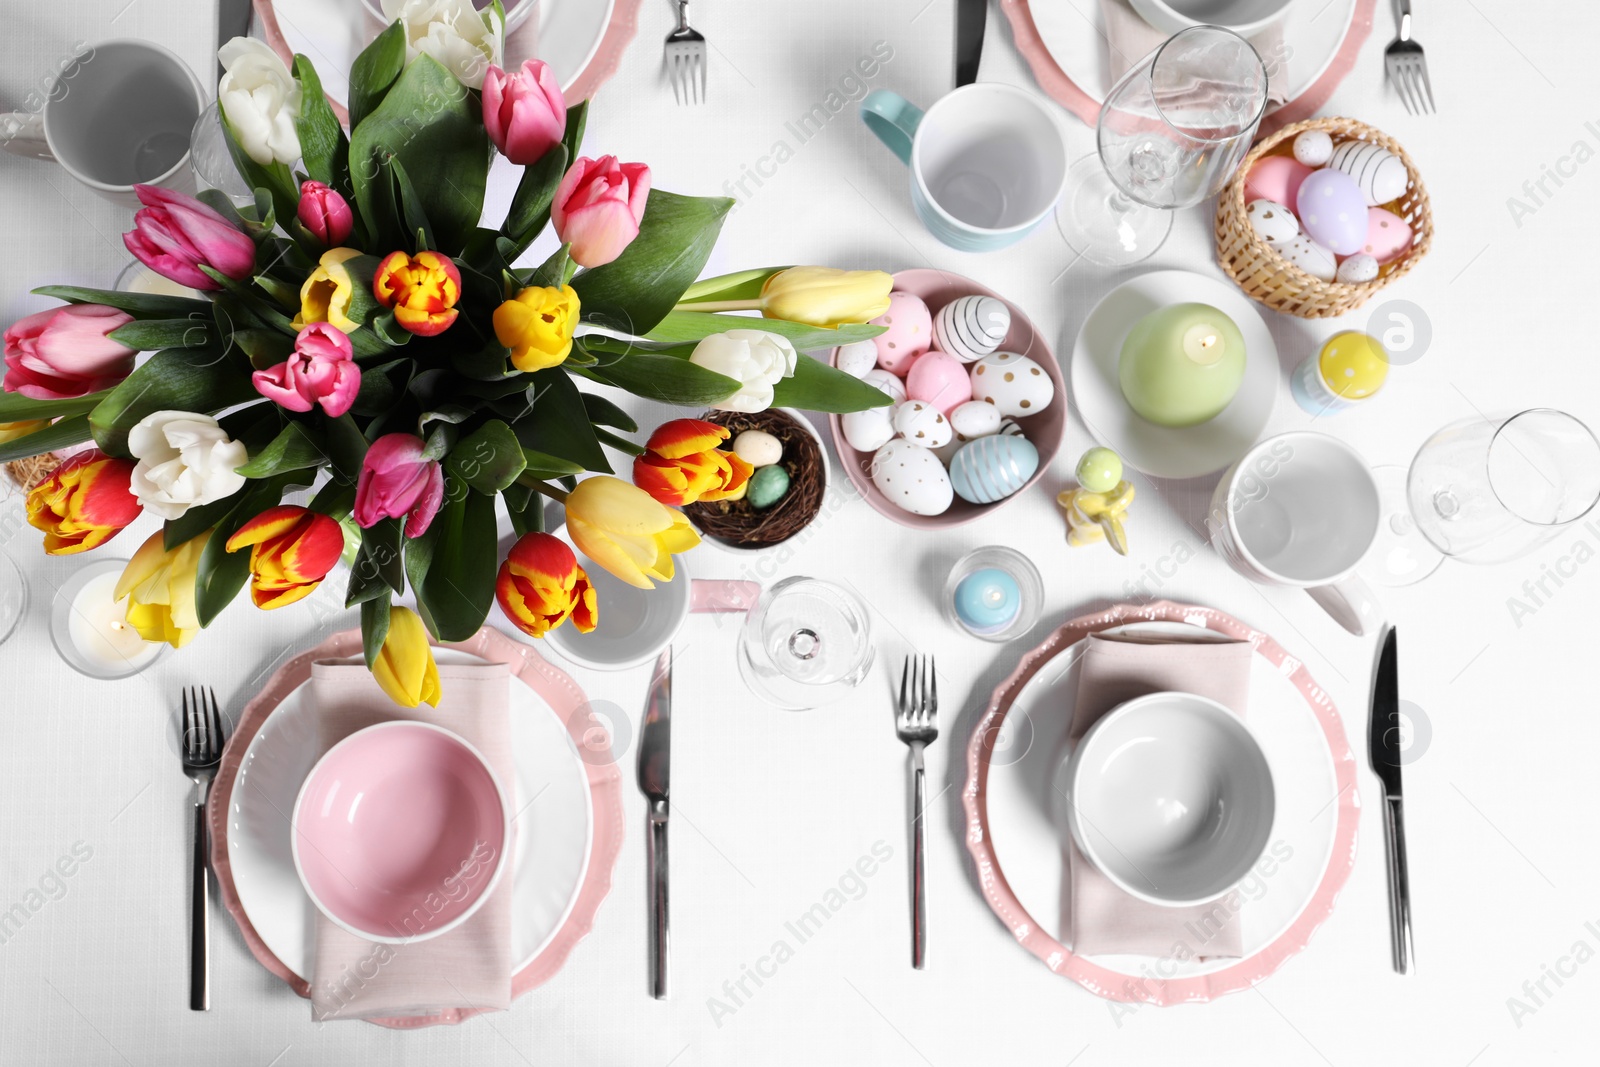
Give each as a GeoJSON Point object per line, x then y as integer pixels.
{"type": "Point", "coordinates": [937, 288]}
{"type": "Point", "coordinates": [400, 832]}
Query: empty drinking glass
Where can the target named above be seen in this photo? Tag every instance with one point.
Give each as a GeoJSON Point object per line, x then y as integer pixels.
{"type": "Point", "coordinates": [805, 643]}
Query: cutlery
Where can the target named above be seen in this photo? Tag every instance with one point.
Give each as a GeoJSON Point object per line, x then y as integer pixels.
{"type": "Point", "coordinates": [686, 59]}
{"type": "Point", "coordinates": [1383, 735]}
{"type": "Point", "coordinates": [202, 751]}
{"type": "Point", "coordinates": [970, 18]}
{"type": "Point", "coordinates": [655, 765]}
{"type": "Point", "coordinates": [1408, 67]}
{"type": "Point", "coordinates": [916, 722]}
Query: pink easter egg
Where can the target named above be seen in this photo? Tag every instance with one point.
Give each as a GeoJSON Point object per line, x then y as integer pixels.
{"type": "Point", "coordinates": [940, 380]}
{"type": "Point", "coordinates": [1388, 236]}
{"type": "Point", "coordinates": [1276, 178]}
{"type": "Point", "coordinates": [908, 333]}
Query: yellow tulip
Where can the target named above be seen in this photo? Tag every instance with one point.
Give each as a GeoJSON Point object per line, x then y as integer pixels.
{"type": "Point", "coordinates": [10, 431]}
{"type": "Point", "coordinates": [537, 326]}
{"type": "Point", "coordinates": [405, 668]}
{"type": "Point", "coordinates": [626, 531]}
{"type": "Point", "coordinates": [160, 587]}
{"type": "Point", "coordinates": [327, 294]}
{"type": "Point", "coordinates": [826, 297]}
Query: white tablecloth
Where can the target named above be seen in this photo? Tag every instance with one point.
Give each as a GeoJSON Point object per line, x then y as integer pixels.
{"type": "Point", "coordinates": [770, 808]}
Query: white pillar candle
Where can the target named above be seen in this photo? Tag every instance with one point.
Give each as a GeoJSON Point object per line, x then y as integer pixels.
{"type": "Point", "coordinates": [98, 629]}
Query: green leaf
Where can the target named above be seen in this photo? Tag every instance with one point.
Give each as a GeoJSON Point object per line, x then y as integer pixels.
{"type": "Point", "coordinates": [530, 206]}
{"type": "Point", "coordinates": [379, 567]}
{"type": "Point", "coordinates": [72, 430]}
{"type": "Point", "coordinates": [322, 141]}
{"type": "Point", "coordinates": [347, 447]}
{"type": "Point", "coordinates": [526, 509]}
{"type": "Point", "coordinates": [14, 407]}
{"type": "Point", "coordinates": [603, 412]}
{"type": "Point", "coordinates": [432, 124]}
{"type": "Point", "coordinates": [577, 120]}
{"type": "Point", "coordinates": [665, 378]}
{"type": "Point", "coordinates": [456, 593]}
{"type": "Point", "coordinates": [742, 285]}
{"type": "Point", "coordinates": [683, 326]}
{"type": "Point", "coordinates": [382, 387]}
{"type": "Point", "coordinates": [295, 448]}
{"type": "Point", "coordinates": [374, 627]}
{"type": "Point", "coordinates": [411, 209]}
{"type": "Point", "coordinates": [543, 466]}
{"type": "Point", "coordinates": [552, 273]}
{"type": "Point", "coordinates": [148, 335]}
{"type": "Point", "coordinates": [139, 305]}
{"type": "Point", "coordinates": [197, 520]}
{"type": "Point", "coordinates": [374, 71]}
{"type": "Point", "coordinates": [264, 348]}
{"type": "Point", "coordinates": [815, 386]}
{"type": "Point", "coordinates": [637, 289]}
{"type": "Point", "coordinates": [334, 499]}
{"type": "Point", "coordinates": [488, 459]}
{"type": "Point", "coordinates": [559, 423]}
{"type": "Point", "coordinates": [185, 379]}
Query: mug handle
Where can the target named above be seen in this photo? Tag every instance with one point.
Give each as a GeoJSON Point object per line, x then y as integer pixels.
{"type": "Point", "coordinates": [716, 596]}
{"type": "Point", "coordinates": [1351, 602]}
{"type": "Point", "coordinates": [894, 119]}
{"type": "Point", "coordinates": [22, 133]}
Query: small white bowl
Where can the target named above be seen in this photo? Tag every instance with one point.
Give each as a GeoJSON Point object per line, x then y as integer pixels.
{"type": "Point", "coordinates": [1170, 796]}
{"type": "Point", "coordinates": [1244, 17]}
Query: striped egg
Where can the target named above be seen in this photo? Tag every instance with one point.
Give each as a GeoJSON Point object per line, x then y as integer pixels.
{"type": "Point", "coordinates": [992, 468]}
{"type": "Point", "coordinates": [1378, 171]}
{"type": "Point", "coordinates": [970, 327]}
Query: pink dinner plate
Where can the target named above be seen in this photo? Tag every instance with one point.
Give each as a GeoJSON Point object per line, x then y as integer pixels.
{"type": "Point", "coordinates": [565, 848]}
{"type": "Point", "coordinates": [1016, 839]}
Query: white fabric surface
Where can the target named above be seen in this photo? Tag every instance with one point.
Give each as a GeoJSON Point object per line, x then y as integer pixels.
{"type": "Point", "coordinates": [773, 810]}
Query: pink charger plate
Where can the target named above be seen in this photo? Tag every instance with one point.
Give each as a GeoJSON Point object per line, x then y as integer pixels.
{"type": "Point", "coordinates": [550, 683]}
{"type": "Point", "coordinates": [1116, 985]}
{"type": "Point", "coordinates": [937, 288]}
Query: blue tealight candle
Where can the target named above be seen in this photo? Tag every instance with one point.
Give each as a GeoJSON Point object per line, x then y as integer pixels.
{"type": "Point", "coordinates": [988, 600]}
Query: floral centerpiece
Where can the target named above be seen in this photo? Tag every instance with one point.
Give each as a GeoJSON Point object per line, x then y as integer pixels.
{"type": "Point", "coordinates": [361, 332]}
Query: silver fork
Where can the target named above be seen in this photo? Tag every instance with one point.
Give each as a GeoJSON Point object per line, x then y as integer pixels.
{"type": "Point", "coordinates": [686, 60]}
{"type": "Point", "coordinates": [917, 723]}
{"type": "Point", "coordinates": [1407, 67]}
{"type": "Point", "coordinates": [202, 751]}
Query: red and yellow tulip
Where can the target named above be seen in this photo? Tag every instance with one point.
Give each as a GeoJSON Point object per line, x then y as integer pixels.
{"type": "Point", "coordinates": [626, 530]}
{"type": "Point", "coordinates": [421, 290]}
{"type": "Point", "coordinates": [291, 550]}
{"type": "Point", "coordinates": [682, 464]}
{"type": "Point", "coordinates": [160, 587]}
{"type": "Point", "coordinates": [83, 503]}
{"type": "Point", "coordinates": [541, 585]}
{"type": "Point", "coordinates": [405, 668]}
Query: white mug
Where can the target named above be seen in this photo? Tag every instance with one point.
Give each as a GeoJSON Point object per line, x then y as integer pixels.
{"type": "Point", "coordinates": [118, 114]}
{"type": "Point", "coordinates": [1301, 509]}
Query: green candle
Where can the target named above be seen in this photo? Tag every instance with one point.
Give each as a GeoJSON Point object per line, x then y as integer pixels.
{"type": "Point", "coordinates": [1182, 364]}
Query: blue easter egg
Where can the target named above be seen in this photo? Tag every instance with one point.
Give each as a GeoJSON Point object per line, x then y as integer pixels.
{"type": "Point", "coordinates": [1333, 211]}
{"type": "Point", "coordinates": [992, 468]}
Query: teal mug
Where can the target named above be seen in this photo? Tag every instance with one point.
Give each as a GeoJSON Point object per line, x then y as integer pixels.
{"type": "Point", "coordinates": [987, 161]}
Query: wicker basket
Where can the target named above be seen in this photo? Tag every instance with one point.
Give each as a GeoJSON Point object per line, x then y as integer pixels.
{"type": "Point", "coordinates": [1266, 276]}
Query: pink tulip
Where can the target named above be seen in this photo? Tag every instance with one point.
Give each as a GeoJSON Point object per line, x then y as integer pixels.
{"type": "Point", "coordinates": [64, 352]}
{"type": "Point", "coordinates": [175, 235]}
{"type": "Point", "coordinates": [598, 206]}
{"type": "Point", "coordinates": [397, 482]}
{"type": "Point", "coordinates": [321, 371]}
{"type": "Point", "coordinates": [525, 112]}
{"type": "Point", "coordinates": [325, 213]}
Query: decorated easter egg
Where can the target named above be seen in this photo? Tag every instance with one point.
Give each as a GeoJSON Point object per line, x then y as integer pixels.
{"type": "Point", "coordinates": [992, 468]}
{"type": "Point", "coordinates": [975, 419]}
{"type": "Point", "coordinates": [1377, 172]}
{"type": "Point", "coordinates": [886, 383]}
{"type": "Point", "coordinates": [758, 448]}
{"type": "Point", "coordinates": [970, 327]}
{"type": "Point", "coordinates": [908, 332]}
{"type": "Point", "coordinates": [857, 357]}
{"type": "Point", "coordinates": [1357, 269]}
{"type": "Point", "coordinates": [1332, 211]}
{"type": "Point", "coordinates": [1311, 258]}
{"type": "Point", "coordinates": [869, 430]}
{"type": "Point", "coordinates": [911, 478]}
{"type": "Point", "coordinates": [940, 380]}
{"type": "Point", "coordinates": [1010, 427]}
{"type": "Point", "coordinates": [1275, 178]}
{"type": "Point", "coordinates": [1388, 236]}
{"type": "Point", "coordinates": [1313, 147]}
{"type": "Point", "coordinates": [1273, 223]}
{"type": "Point", "coordinates": [923, 424]}
{"type": "Point", "coordinates": [767, 486]}
{"type": "Point", "coordinates": [1013, 383]}
{"type": "Point", "coordinates": [1099, 470]}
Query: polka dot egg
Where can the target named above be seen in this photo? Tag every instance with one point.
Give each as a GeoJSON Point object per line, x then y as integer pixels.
{"type": "Point", "coordinates": [1388, 236]}
{"type": "Point", "coordinates": [1332, 211]}
{"type": "Point", "coordinates": [908, 332]}
{"type": "Point", "coordinates": [1353, 364]}
{"type": "Point", "coordinates": [1013, 383]}
{"type": "Point", "coordinates": [911, 478]}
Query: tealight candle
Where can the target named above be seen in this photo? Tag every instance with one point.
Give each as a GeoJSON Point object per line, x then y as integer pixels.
{"type": "Point", "coordinates": [994, 593]}
{"type": "Point", "coordinates": [988, 599]}
{"type": "Point", "coordinates": [91, 629]}
{"type": "Point", "coordinates": [138, 278]}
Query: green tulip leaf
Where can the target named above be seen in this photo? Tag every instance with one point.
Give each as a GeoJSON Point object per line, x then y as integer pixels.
{"type": "Point", "coordinates": [139, 305]}
{"type": "Point", "coordinates": [14, 407]}
{"type": "Point", "coordinates": [323, 147]}
{"type": "Point", "coordinates": [374, 627]}
{"type": "Point", "coordinates": [72, 430]}
{"type": "Point", "coordinates": [296, 447]}
{"type": "Point", "coordinates": [815, 386]}
{"type": "Point", "coordinates": [374, 72]}
{"type": "Point", "coordinates": [488, 459]}
{"type": "Point", "coordinates": [603, 412]}
{"type": "Point", "coordinates": [637, 289]}
{"type": "Point", "coordinates": [665, 378]}
{"type": "Point", "coordinates": [203, 380]}
{"type": "Point", "coordinates": [458, 588]}
{"type": "Point", "coordinates": [558, 424]}
{"type": "Point", "coordinates": [149, 335]}
{"type": "Point", "coordinates": [681, 326]}
{"type": "Point", "coordinates": [530, 206]}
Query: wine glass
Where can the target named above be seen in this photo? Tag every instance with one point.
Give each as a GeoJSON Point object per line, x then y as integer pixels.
{"type": "Point", "coordinates": [805, 642]}
{"type": "Point", "coordinates": [1172, 131]}
{"type": "Point", "coordinates": [13, 596]}
{"type": "Point", "coordinates": [1484, 490]}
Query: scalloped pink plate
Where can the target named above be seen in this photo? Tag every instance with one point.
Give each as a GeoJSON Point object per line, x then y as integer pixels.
{"type": "Point", "coordinates": [565, 847]}
{"type": "Point", "coordinates": [1016, 840]}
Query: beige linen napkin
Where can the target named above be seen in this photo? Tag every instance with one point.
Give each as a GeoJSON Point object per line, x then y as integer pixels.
{"type": "Point", "coordinates": [1101, 918]}
{"type": "Point", "coordinates": [1130, 38]}
{"type": "Point", "coordinates": [471, 966]}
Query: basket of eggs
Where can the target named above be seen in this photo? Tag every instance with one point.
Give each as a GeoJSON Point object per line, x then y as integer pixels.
{"type": "Point", "coordinates": [1321, 216]}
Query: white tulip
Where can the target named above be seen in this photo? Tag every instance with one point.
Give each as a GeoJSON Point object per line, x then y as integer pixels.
{"type": "Point", "coordinates": [463, 40]}
{"type": "Point", "coordinates": [261, 101]}
{"type": "Point", "coordinates": [755, 358]}
{"type": "Point", "coordinates": [185, 460]}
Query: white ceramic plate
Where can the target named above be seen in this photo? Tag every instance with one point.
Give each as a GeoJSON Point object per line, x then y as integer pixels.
{"type": "Point", "coordinates": [1165, 451]}
{"type": "Point", "coordinates": [553, 827]}
{"type": "Point", "coordinates": [1028, 842]}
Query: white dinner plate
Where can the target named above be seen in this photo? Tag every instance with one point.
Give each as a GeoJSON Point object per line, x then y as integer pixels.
{"type": "Point", "coordinates": [1167, 451]}
{"type": "Point", "coordinates": [553, 825]}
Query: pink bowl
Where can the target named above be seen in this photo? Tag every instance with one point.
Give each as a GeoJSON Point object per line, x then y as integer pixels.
{"type": "Point", "coordinates": [937, 288]}
{"type": "Point", "coordinates": [401, 831]}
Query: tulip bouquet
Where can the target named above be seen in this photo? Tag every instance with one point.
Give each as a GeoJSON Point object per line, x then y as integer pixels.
{"type": "Point", "coordinates": [363, 340]}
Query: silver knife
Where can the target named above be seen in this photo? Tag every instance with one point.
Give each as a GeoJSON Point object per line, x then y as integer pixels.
{"type": "Point", "coordinates": [1384, 749]}
{"type": "Point", "coordinates": [233, 20]}
{"type": "Point", "coordinates": [970, 18]}
{"type": "Point", "coordinates": [655, 766]}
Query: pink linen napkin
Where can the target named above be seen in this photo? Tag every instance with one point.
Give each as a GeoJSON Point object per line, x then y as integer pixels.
{"type": "Point", "coordinates": [1129, 38]}
{"type": "Point", "coordinates": [1101, 918]}
{"type": "Point", "coordinates": [471, 966]}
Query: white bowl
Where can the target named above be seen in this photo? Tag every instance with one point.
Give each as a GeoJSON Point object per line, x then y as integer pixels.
{"type": "Point", "coordinates": [1244, 17]}
{"type": "Point", "coordinates": [1170, 796]}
